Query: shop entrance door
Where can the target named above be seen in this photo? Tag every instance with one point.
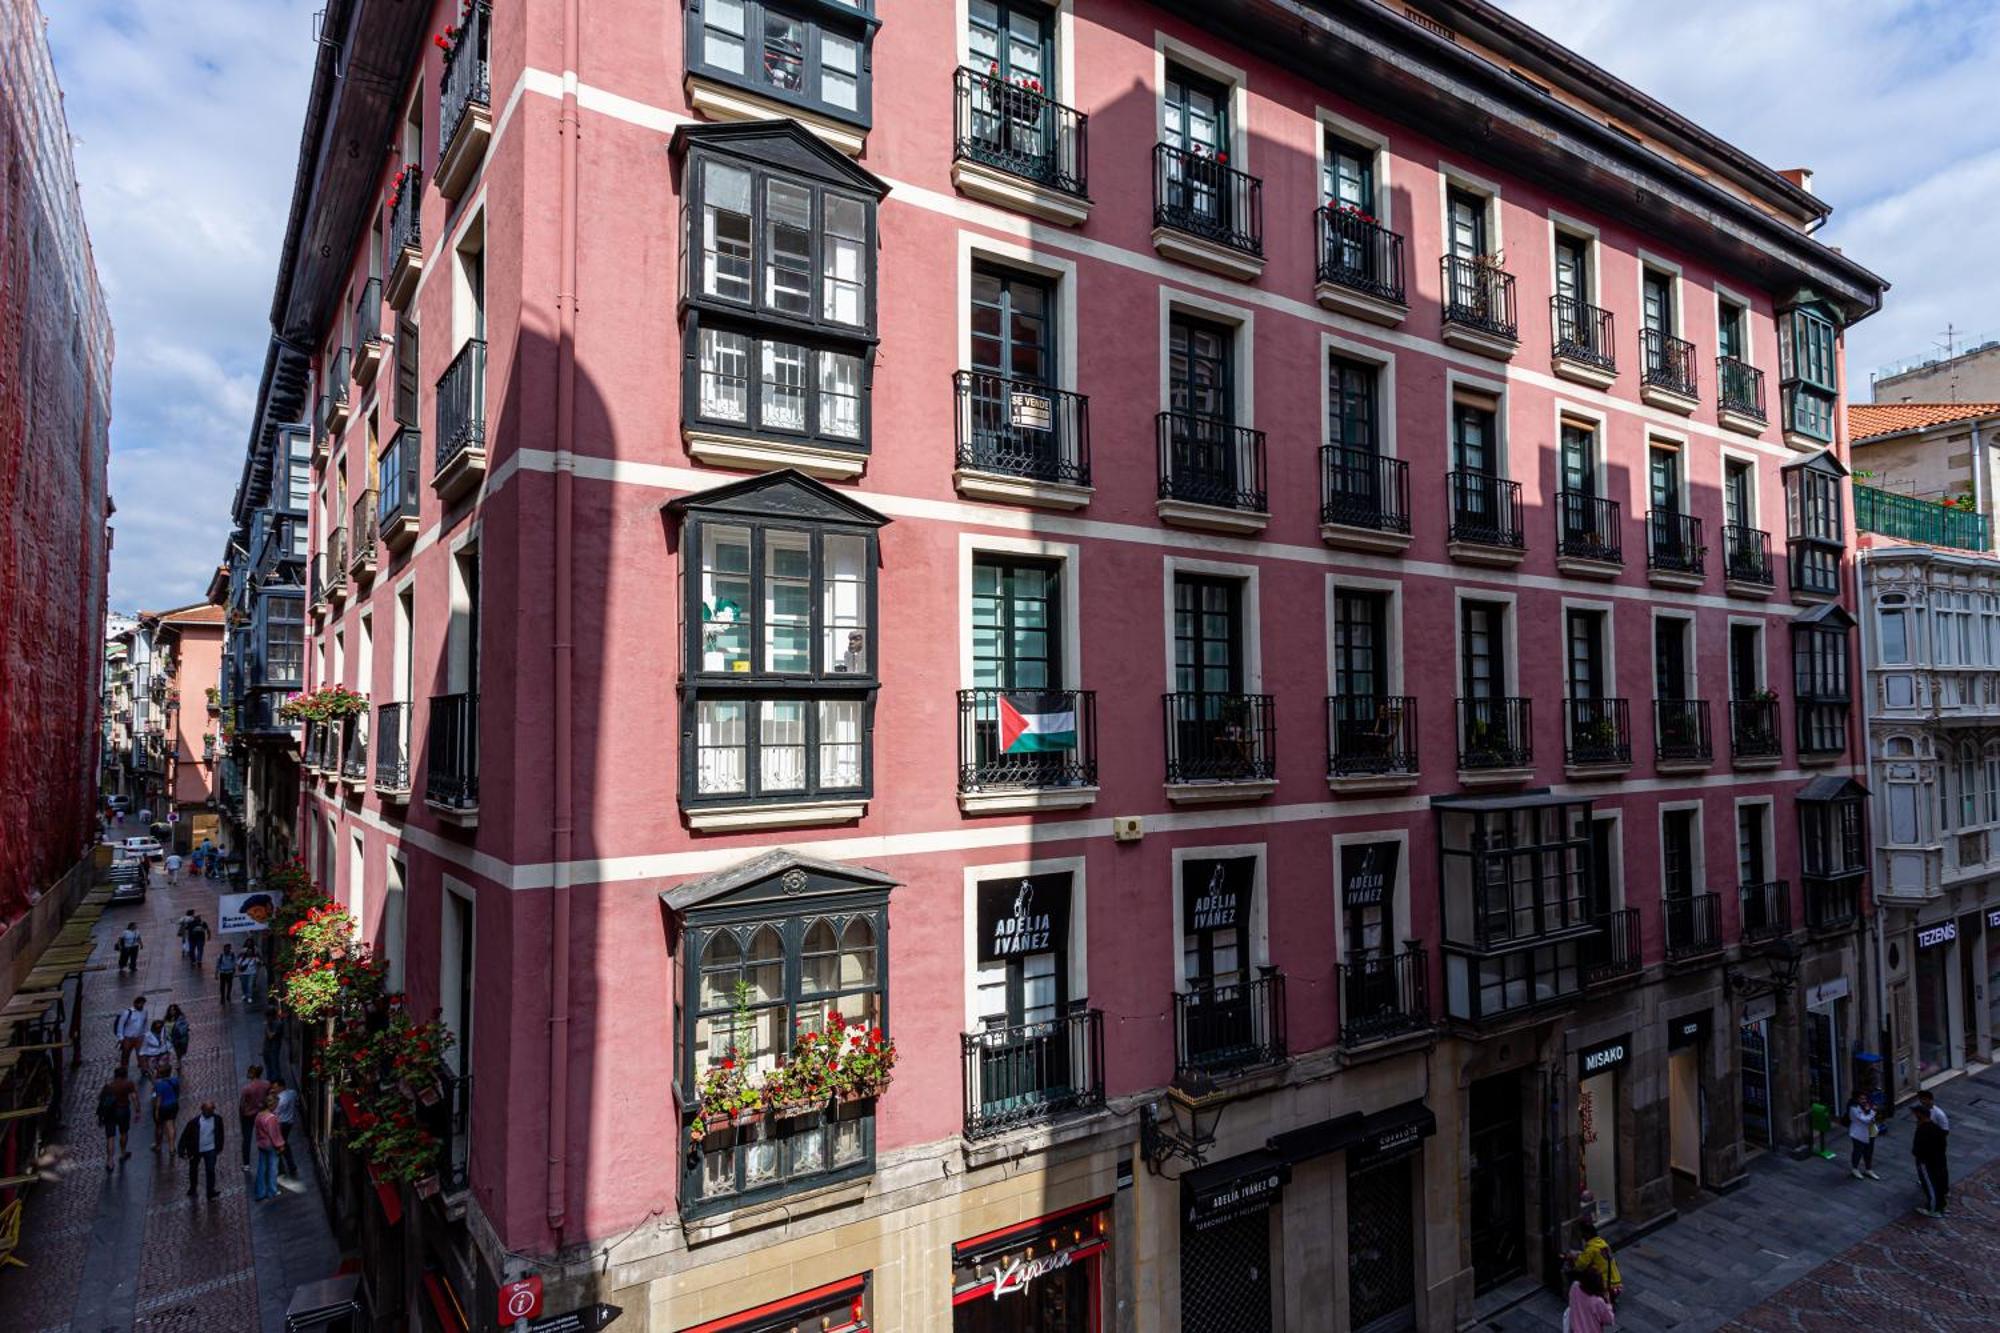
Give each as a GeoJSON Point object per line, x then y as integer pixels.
{"type": "Point", "coordinates": [1226, 1276]}
{"type": "Point", "coordinates": [1756, 1059]}
{"type": "Point", "coordinates": [1684, 1115]}
{"type": "Point", "coordinates": [1968, 990]}
{"type": "Point", "coordinates": [1823, 1072]}
{"type": "Point", "coordinates": [1499, 1194]}
{"type": "Point", "coordinates": [1381, 1247]}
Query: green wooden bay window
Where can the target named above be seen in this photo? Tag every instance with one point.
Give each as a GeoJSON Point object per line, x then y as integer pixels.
{"type": "Point", "coordinates": [1815, 530]}
{"type": "Point", "coordinates": [814, 54]}
{"type": "Point", "coordinates": [1808, 370]}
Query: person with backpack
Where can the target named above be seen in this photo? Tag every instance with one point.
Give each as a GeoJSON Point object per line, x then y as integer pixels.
{"type": "Point", "coordinates": [1927, 1146]}
{"type": "Point", "coordinates": [1596, 1257]}
{"type": "Point", "coordinates": [246, 974]}
{"type": "Point", "coordinates": [197, 939]}
{"type": "Point", "coordinates": [177, 1032]}
{"type": "Point", "coordinates": [130, 1030]}
{"type": "Point", "coordinates": [166, 1105]}
{"type": "Point", "coordinates": [201, 1144]}
{"type": "Point", "coordinates": [225, 971]}
{"type": "Point", "coordinates": [116, 1101]}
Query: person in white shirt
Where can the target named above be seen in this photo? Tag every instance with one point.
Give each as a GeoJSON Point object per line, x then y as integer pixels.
{"type": "Point", "coordinates": [246, 974]}
{"type": "Point", "coordinates": [129, 944]}
{"type": "Point", "coordinates": [288, 1116]}
{"type": "Point", "coordinates": [201, 1144]}
{"type": "Point", "coordinates": [181, 929]}
{"type": "Point", "coordinates": [152, 1047]}
{"type": "Point", "coordinates": [173, 867]}
{"type": "Point", "coordinates": [130, 1029]}
{"type": "Point", "coordinates": [1938, 1117]}
{"type": "Point", "coordinates": [1861, 1129]}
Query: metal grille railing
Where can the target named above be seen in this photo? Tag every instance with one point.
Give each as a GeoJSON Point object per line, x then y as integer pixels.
{"type": "Point", "coordinates": [1746, 556]}
{"type": "Point", "coordinates": [1220, 737]}
{"type": "Point", "coordinates": [1021, 428]}
{"type": "Point", "coordinates": [1485, 509]}
{"type": "Point", "coordinates": [1357, 252]}
{"type": "Point", "coordinates": [1739, 387]}
{"type": "Point", "coordinates": [1197, 192]}
{"type": "Point", "coordinates": [1668, 362]}
{"type": "Point", "coordinates": [406, 215]}
{"type": "Point", "coordinates": [1588, 527]}
{"type": "Point", "coordinates": [1694, 925]}
{"type": "Point", "coordinates": [1206, 460]}
{"type": "Point", "coordinates": [1753, 729]}
{"type": "Point", "coordinates": [1360, 489]}
{"type": "Point", "coordinates": [1680, 730]}
{"type": "Point", "coordinates": [1370, 734]}
{"type": "Point", "coordinates": [1234, 1026]}
{"type": "Point", "coordinates": [1383, 996]}
{"type": "Point", "coordinates": [465, 78]}
{"type": "Point", "coordinates": [1911, 519]}
{"type": "Point", "coordinates": [1674, 542]}
{"type": "Point", "coordinates": [1020, 131]}
{"type": "Point", "coordinates": [368, 313]}
{"type": "Point", "coordinates": [461, 403]}
{"type": "Point", "coordinates": [392, 747]}
{"type": "Point", "coordinates": [1767, 910]}
{"type": "Point", "coordinates": [1496, 733]}
{"type": "Point", "coordinates": [1017, 740]}
{"type": "Point", "coordinates": [452, 755]}
{"type": "Point", "coordinates": [354, 755]}
{"type": "Point", "coordinates": [1583, 332]}
{"type": "Point", "coordinates": [1021, 1073]}
{"type": "Point", "coordinates": [364, 529]}
{"type": "Point", "coordinates": [1599, 732]}
{"type": "Point", "coordinates": [1613, 952]}
{"type": "Point", "coordinates": [1479, 295]}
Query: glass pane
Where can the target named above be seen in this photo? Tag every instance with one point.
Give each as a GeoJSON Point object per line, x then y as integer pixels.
{"type": "Point", "coordinates": [726, 231]}
{"type": "Point", "coordinates": [839, 71]}
{"type": "Point", "coordinates": [857, 954]}
{"type": "Point", "coordinates": [781, 746]}
{"type": "Point", "coordinates": [820, 961]}
{"type": "Point", "coordinates": [719, 749]}
{"type": "Point", "coordinates": [840, 396]}
{"type": "Point", "coordinates": [788, 247]}
{"type": "Point", "coordinates": [787, 602]}
{"type": "Point", "coordinates": [720, 959]}
{"type": "Point", "coordinates": [844, 603]}
{"type": "Point", "coordinates": [784, 52]}
{"type": "Point", "coordinates": [725, 376]}
{"type": "Point", "coordinates": [840, 743]}
{"type": "Point", "coordinates": [722, 44]}
{"type": "Point", "coordinates": [725, 598]}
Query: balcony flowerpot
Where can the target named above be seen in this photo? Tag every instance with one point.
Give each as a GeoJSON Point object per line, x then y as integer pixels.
{"type": "Point", "coordinates": [747, 1119]}
{"type": "Point", "coordinates": [430, 1094]}
{"type": "Point", "coordinates": [801, 1110]}
{"type": "Point", "coordinates": [426, 1187]}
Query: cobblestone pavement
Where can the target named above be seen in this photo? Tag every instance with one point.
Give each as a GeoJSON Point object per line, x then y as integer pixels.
{"type": "Point", "coordinates": [127, 1249]}
{"type": "Point", "coordinates": [1803, 1245]}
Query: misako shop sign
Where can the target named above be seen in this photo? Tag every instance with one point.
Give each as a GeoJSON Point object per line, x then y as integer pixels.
{"type": "Point", "coordinates": [1603, 1057]}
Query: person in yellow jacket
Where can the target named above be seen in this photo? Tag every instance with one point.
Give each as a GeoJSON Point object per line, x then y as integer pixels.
{"type": "Point", "coordinates": [1596, 1257]}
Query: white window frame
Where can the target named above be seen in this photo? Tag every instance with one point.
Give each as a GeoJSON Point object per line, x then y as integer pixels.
{"type": "Point", "coordinates": [1727, 295]}
{"type": "Point", "coordinates": [1384, 361]}
{"type": "Point", "coordinates": [1168, 51]}
{"type": "Point", "coordinates": [1667, 268]}
{"type": "Point", "coordinates": [1257, 931]}
{"type": "Point", "coordinates": [1609, 611]}
{"type": "Point", "coordinates": [1457, 382]}
{"type": "Point", "coordinates": [1077, 953]}
{"type": "Point", "coordinates": [1331, 124]}
{"type": "Point", "coordinates": [1060, 273]}
{"type": "Point", "coordinates": [1392, 591]}
{"type": "Point", "coordinates": [1449, 176]}
{"type": "Point", "coordinates": [1070, 555]}
{"type": "Point", "coordinates": [1063, 30]}
{"type": "Point", "coordinates": [1567, 410]}
{"type": "Point", "coordinates": [1399, 917]}
{"type": "Point", "coordinates": [1253, 652]}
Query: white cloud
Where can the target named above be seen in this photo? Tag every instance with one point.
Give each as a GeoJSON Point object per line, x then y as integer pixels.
{"type": "Point", "coordinates": [1887, 100]}
{"type": "Point", "coordinates": [186, 120]}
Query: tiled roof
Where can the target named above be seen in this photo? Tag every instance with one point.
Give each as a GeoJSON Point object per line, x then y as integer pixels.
{"type": "Point", "coordinates": [1866, 421]}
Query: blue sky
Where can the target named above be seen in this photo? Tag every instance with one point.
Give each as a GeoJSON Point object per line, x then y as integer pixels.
{"type": "Point", "coordinates": [187, 119]}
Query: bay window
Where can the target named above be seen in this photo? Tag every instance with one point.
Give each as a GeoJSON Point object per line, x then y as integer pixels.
{"type": "Point", "coordinates": [1808, 371]}
{"type": "Point", "coordinates": [809, 53]}
{"type": "Point", "coordinates": [1814, 529]}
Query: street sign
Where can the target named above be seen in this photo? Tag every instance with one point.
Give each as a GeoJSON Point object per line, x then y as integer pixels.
{"type": "Point", "coordinates": [520, 1300]}
{"type": "Point", "coordinates": [587, 1320]}
{"type": "Point", "coordinates": [173, 816]}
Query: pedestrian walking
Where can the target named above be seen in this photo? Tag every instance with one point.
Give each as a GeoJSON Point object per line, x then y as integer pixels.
{"type": "Point", "coordinates": [248, 1103]}
{"type": "Point", "coordinates": [145, 872]}
{"type": "Point", "coordinates": [1928, 1100]}
{"type": "Point", "coordinates": [166, 1105]}
{"type": "Point", "coordinates": [288, 1119]}
{"type": "Point", "coordinates": [274, 1042]}
{"type": "Point", "coordinates": [1596, 1257]}
{"type": "Point", "coordinates": [270, 1143]}
{"type": "Point", "coordinates": [116, 1101]}
{"type": "Point", "coordinates": [129, 945]}
{"type": "Point", "coordinates": [182, 927]}
{"type": "Point", "coordinates": [130, 1030]}
{"type": "Point", "coordinates": [201, 1144]}
{"type": "Point", "coordinates": [177, 1032]}
{"type": "Point", "coordinates": [1927, 1146]}
{"type": "Point", "coordinates": [198, 939]}
{"type": "Point", "coordinates": [153, 1048]}
{"type": "Point", "coordinates": [246, 974]}
{"type": "Point", "coordinates": [1861, 1131]}
{"type": "Point", "coordinates": [173, 867]}
{"type": "Point", "coordinates": [1589, 1311]}
{"type": "Point", "coordinates": [225, 971]}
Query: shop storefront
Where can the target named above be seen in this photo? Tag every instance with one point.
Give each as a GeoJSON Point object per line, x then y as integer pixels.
{"type": "Point", "coordinates": [1043, 1276]}
{"type": "Point", "coordinates": [1598, 1071]}
{"type": "Point", "coordinates": [1826, 1045]}
{"type": "Point", "coordinates": [1933, 974]}
{"type": "Point", "coordinates": [837, 1307]}
{"type": "Point", "coordinates": [1226, 1226]}
{"type": "Point", "coordinates": [1498, 1182]}
{"type": "Point", "coordinates": [1687, 1113]}
{"type": "Point", "coordinates": [1993, 974]}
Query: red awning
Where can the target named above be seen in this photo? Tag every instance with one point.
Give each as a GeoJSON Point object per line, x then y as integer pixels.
{"type": "Point", "coordinates": [817, 1298]}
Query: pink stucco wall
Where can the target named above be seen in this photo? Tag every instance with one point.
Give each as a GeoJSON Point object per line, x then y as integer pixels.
{"type": "Point", "coordinates": [628, 354]}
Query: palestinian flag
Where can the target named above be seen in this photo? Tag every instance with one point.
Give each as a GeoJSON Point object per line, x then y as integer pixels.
{"type": "Point", "coordinates": [1036, 732]}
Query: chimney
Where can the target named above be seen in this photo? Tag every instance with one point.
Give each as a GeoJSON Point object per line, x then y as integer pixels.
{"type": "Point", "coordinates": [1799, 176]}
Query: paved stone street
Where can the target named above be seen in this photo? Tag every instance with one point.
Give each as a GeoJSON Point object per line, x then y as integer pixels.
{"type": "Point", "coordinates": [127, 1249]}
{"type": "Point", "coordinates": [1803, 1245]}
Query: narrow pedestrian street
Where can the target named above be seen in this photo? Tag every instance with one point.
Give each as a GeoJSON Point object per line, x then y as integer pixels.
{"type": "Point", "coordinates": [128, 1249]}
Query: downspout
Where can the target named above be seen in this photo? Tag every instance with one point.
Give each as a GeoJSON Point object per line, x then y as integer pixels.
{"type": "Point", "coordinates": [561, 823]}
{"type": "Point", "coordinates": [1982, 484]}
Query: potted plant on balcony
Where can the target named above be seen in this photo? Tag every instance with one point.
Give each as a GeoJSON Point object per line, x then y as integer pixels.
{"type": "Point", "coordinates": [724, 1096]}
{"type": "Point", "coordinates": [1600, 732]}
{"type": "Point", "coordinates": [866, 1059]}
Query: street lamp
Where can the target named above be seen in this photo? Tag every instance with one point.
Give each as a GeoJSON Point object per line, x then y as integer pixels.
{"type": "Point", "coordinates": [1187, 1130]}
{"type": "Point", "coordinates": [1781, 962]}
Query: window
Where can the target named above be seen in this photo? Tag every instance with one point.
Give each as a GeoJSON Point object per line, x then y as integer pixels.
{"type": "Point", "coordinates": [1739, 505]}
{"type": "Point", "coordinates": [1347, 175]}
{"type": "Point", "coordinates": [1360, 644]}
{"type": "Point", "coordinates": [1588, 678]}
{"type": "Point", "coordinates": [1819, 678]}
{"type": "Point", "coordinates": [766, 960]}
{"type": "Point", "coordinates": [1813, 525]}
{"type": "Point", "coordinates": [1656, 302]}
{"type": "Point", "coordinates": [1732, 335]}
{"type": "Point", "coordinates": [1465, 217]}
{"type": "Point", "coordinates": [284, 640]}
{"type": "Point", "coordinates": [1572, 271]}
{"type": "Point", "coordinates": [1679, 855]}
{"type": "Point", "coordinates": [1351, 408]}
{"type": "Point", "coordinates": [1746, 661]}
{"type": "Point", "coordinates": [811, 53]}
{"type": "Point", "coordinates": [1013, 40]}
{"type": "Point", "coordinates": [1579, 459]}
{"type": "Point", "coordinates": [1208, 635]}
{"type": "Point", "coordinates": [1833, 843]}
{"type": "Point", "coordinates": [1807, 369]}
{"type": "Point", "coordinates": [778, 675]}
{"type": "Point", "coordinates": [1752, 858]}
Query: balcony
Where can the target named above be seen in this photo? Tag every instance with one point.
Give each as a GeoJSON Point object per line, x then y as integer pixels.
{"type": "Point", "coordinates": [1832, 902]}
{"type": "Point", "coordinates": [1681, 739]}
{"type": "Point", "coordinates": [1364, 500]}
{"type": "Point", "coordinates": [335, 397]}
{"type": "Point", "coordinates": [465, 103]}
{"type": "Point", "coordinates": [1018, 149]}
{"type": "Point", "coordinates": [1021, 442]}
{"type": "Point", "coordinates": [1585, 346]}
{"type": "Point", "coordinates": [1026, 750]}
{"type": "Point", "coordinates": [336, 566]}
{"type": "Point", "coordinates": [1589, 541]}
{"type": "Point", "coordinates": [1383, 998]}
{"type": "Point", "coordinates": [1668, 380]}
{"type": "Point", "coordinates": [461, 422]}
{"type": "Point", "coordinates": [451, 782]}
{"type": "Point", "coordinates": [406, 238]}
{"type": "Point", "coordinates": [1360, 269]}
{"type": "Point", "coordinates": [1478, 307]}
{"type": "Point", "coordinates": [1822, 728]}
{"type": "Point", "coordinates": [1612, 954]}
{"type": "Point", "coordinates": [1019, 1074]}
{"type": "Point", "coordinates": [1495, 740]}
{"type": "Point", "coordinates": [1753, 732]}
{"type": "Point", "coordinates": [1371, 742]}
{"type": "Point", "coordinates": [354, 751]}
{"type": "Point", "coordinates": [397, 504]}
{"type": "Point", "coordinates": [1485, 526]}
{"type": "Point", "coordinates": [1225, 1031]}
{"type": "Point", "coordinates": [1675, 554]}
{"type": "Point", "coordinates": [1694, 926]}
{"type": "Point", "coordinates": [392, 750]}
{"type": "Point", "coordinates": [1207, 213]}
{"type": "Point", "coordinates": [1597, 739]}
{"type": "Point", "coordinates": [1747, 570]}
{"type": "Point", "coordinates": [1220, 747]}
{"type": "Point", "coordinates": [1767, 911]}
{"type": "Point", "coordinates": [1211, 474]}
{"type": "Point", "coordinates": [1739, 396]}
{"type": "Point", "coordinates": [321, 447]}
{"type": "Point", "coordinates": [1908, 518]}
{"type": "Point", "coordinates": [368, 332]}
{"type": "Point", "coordinates": [450, 1123]}
{"type": "Point", "coordinates": [361, 560]}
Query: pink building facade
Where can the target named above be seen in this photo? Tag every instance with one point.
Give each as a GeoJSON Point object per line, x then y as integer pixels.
{"type": "Point", "coordinates": [1298, 670]}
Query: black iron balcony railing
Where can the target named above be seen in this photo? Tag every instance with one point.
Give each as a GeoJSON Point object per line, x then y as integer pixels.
{"type": "Point", "coordinates": [398, 499]}
{"type": "Point", "coordinates": [1223, 1029]}
{"type": "Point", "coordinates": [1020, 131]}
{"type": "Point", "coordinates": [364, 531]}
{"type": "Point", "coordinates": [1739, 388]}
{"type": "Point", "coordinates": [1485, 510]}
{"type": "Point", "coordinates": [406, 215]}
{"type": "Point", "coordinates": [1020, 428]}
{"type": "Point", "coordinates": [338, 377]}
{"type": "Point", "coordinates": [1026, 740]}
{"type": "Point", "coordinates": [1599, 732]}
{"type": "Point", "coordinates": [354, 754]}
{"type": "Point", "coordinates": [1480, 295]}
{"type": "Point", "coordinates": [368, 313]}
{"type": "Point", "coordinates": [1370, 735]}
{"type": "Point", "coordinates": [1357, 252]}
{"type": "Point", "coordinates": [1496, 733]}
{"type": "Point", "coordinates": [1694, 925]}
{"type": "Point", "coordinates": [1360, 489]}
{"type": "Point", "coordinates": [1680, 731]}
{"type": "Point", "coordinates": [1583, 332]}
{"type": "Point", "coordinates": [1831, 903]}
{"type": "Point", "coordinates": [1822, 725]}
{"type": "Point", "coordinates": [1197, 192]}
{"type": "Point", "coordinates": [461, 403]}
{"type": "Point", "coordinates": [336, 560]}
{"type": "Point", "coordinates": [1753, 729]}
{"type": "Point", "coordinates": [1674, 542]}
{"type": "Point", "coordinates": [1767, 910]}
{"type": "Point", "coordinates": [1221, 737]}
{"type": "Point", "coordinates": [1022, 1073]}
{"type": "Point", "coordinates": [1588, 527]}
{"type": "Point", "coordinates": [1746, 556]}
{"type": "Point", "coordinates": [1668, 362]}
{"type": "Point", "coordinates": [392, 747]}
{"type": "Point", "coordinates": [1613, 952]}
{"type": "Point", "coordinates": [1383, 996]}
{"type": "Point", "coordinates": [452, 754]}
{"type": "Point", "coordinates": [451, 1126]}
{"type": "Point", "coordinates": [465, 80]}
{"type": "Point", "coordinates": [1208, 461]}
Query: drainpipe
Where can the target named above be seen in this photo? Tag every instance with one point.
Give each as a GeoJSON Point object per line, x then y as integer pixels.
{"type": "Point", "coordinates": [561, 822]}
{"type": "Point", "coordinates": [1982, 484]}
